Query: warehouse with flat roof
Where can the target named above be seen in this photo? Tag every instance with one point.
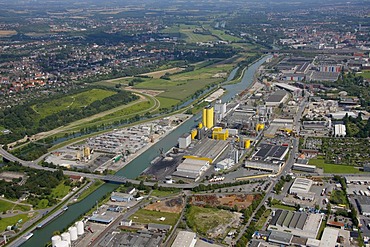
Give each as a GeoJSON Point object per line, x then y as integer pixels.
{"type": "Point", "coordinates": [192, 169]}
{"type": "Point", "coordinates": [278, 97]}
{"type": "Point", "coordinates": [185, 239]}
{"type": "Point", "coordinates": [297, 223]}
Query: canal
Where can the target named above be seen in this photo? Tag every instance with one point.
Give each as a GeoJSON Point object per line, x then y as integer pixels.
{"type": "Point", "coordinates": [135, 167]}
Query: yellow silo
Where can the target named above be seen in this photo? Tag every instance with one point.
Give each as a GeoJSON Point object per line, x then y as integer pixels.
{"type": "Point", "coordinates": [210, 117]}
{"type": "Point", "coordinates": [86, 152]}
{"type": "Point", "coordinates": [260, 127]}
{"type": "Point", "coordinates": [194, 133]}
{"type": "Point", "coordinates": [200, 125]}
{"type": "Point", "coordinates": [204, 117]}
{"type": "Point", "coordinates": [247, 144]}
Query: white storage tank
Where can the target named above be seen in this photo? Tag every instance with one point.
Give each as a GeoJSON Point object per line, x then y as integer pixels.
{"type": "Point", "coordinates": [73, 233]}
{"type": "Point", "coordinates": [80, 228]}
{"type": "Point", "coordinates": [55, 239]}
{"type": "Point", "coordinates": [62, 243]}
{"type": "Point", "coordinates": [66, 237]}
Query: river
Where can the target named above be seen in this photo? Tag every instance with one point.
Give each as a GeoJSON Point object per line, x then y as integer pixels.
{"type": "Point", "coordinates": [135, 167]}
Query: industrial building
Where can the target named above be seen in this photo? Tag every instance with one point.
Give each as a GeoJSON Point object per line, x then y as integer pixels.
{"type": "Point", "coordinates": [283, 238]}
{"type": "Point", "coordinates": [329, 237]}
{"type": "Point", "coordinates": [225, 164]}
{"type": "Point", "coordinates": [208, 117]}
{"type": "Point", "coordinates": [277, 98]}
{"type": "Point", "coordinates": [184, 141]}
{"type": "Point", "coordinates": [301, 188]}
{"type": "Point", "coordinates": [102, 219]}
{"type": "Point", "coordinates": [192, 169]}
{"type": "Point", "coordinates": [304, 167]}
{"type": "Point", "coordinates": [220, 111]}
{"type": "Point", "coordinates": [121, 197]}
{"type": "Point", "coordinates": [129, 239]}
{"type": "Point", "coordinates": [273, 167]}
{"type": "Point", "coordinates": [340, 130]}
{"type": "Point", "coordinates": [270, 152]}
{"type": "Point", "coordinates": [209, 148]}
{"type": "Point", "coordinates": [220, 134]}
{"type": "Point", "coordinates": [185, 239]}
{"type": "Point", "coordinates": [363, 204]}
{"type": "Point", "coordinates": [297, 223]}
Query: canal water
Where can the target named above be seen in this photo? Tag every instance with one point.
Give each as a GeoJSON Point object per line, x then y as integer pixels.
{"type": "Point", "coordinates": [135, 167]}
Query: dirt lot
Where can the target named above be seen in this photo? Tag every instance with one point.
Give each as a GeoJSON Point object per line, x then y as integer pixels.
{"type": "Point", "coordinates": [7, 33]}
{"type": "Point", "coordinates": [240, 200]}
{"type": "Point", "coordinates": [174, 205]}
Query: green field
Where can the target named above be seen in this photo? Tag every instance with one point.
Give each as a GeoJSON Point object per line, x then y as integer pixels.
{"type": "Point", "coordinates": [23, 208]}
{"type": "Point", "coordinates": [167, 102]}
{"type": "Point", "coordinates": [146, 216]}
{"type": "Point", "coordinates": [160, 193]}
{"type": "Point", "coordinates": [285, 207]}
{"type": "Point", "coordinates": [333, 168]}
{"type": "Point", "coordinates": [365, 74]}
{"type": "Point", "coordinates": [71, 101]}
{"type": "Point", "coordinates": [60, 191]}
{"type": "Point", "coordinates": [204, 219]}
{"type": "Point", "coordinates": [5, 222]}
{"type": "Point", "coordinates": [183, 85]}
{"type": "Point", "coordinates": [187, 32]}
{"type": "Point", "coordinates": [261, 222]}
{"type": "Point", "coordinates": [5, 206]}
{"type": "Point", "coordinates": [43, 203]}
{"type": "Point", "coordinates": [338, 197]}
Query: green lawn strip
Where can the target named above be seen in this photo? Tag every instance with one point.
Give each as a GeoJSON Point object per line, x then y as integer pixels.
{"type": "Point", "coordinates": [261, 222]}
{"type": "Point", "coordinates": [285, 207]}
{"type": "Point", "coordinates": [333, 168]}
{"type": "Point", "coordinates": [60, 191]}
{"type": "Point", "coordinates": [11, 221]}
{"type": "Point", "coordinates": [95, 185]}
{"type": "Point", "coordinates": [160, 193]}
{"type": "Point", "coordinates": [147, 216]}
{"type": "Point", "coordinates": [71, 101]}
{"type": "Point", "coordinates": [167, 102]}
{"type": "Point", "coordinates": [321, 230]}
{"type": "Point", "coordinates": [203, 219]}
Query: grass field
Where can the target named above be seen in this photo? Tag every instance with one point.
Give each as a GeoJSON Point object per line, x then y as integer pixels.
{"type": "Point", "coordinates": [5, 222]}
{"type": "Point", "coordinates": [338, 197]}
{"type": "Point", "coordinates": [5, 206]}
{"type": "Point", "coordinates": [203, 219]}
{"type": "Point", "coordinates": [261, 222]}
{"type": "Point", "coordinates": [333, 168]}
{"type": "Point", "coordinates": [146, 216]}
{"type": "Point", "coordinates": [71, 102]}
{"type": "Point", "coordinates": [60, 191]}
{"type": "Point", "coordinates": [365, 74]}
{"type": "Point", "coordinates": [167, 102]}
{"type": "Point", "coordinates": [181, 86]}
{"type": "Point", "coordinates": [159, 193]}
{"type": "Point", "coordinates": [188, 32]}
{"type": "Point", "coordinates": [23, 208]}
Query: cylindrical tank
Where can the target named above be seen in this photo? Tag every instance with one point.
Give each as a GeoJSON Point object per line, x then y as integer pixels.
{"type": "Point", "coordinates": [73, 233]}
{"type": "Point", "coordinates": [204, 117]}
{"type": "Point", "coordinates": [62, 243]}
{"type": "Point", "coordinates": [247, 144]}
{"type": "Point", "coordinates": [210, 117]}
{"type": "Point", "coordinates": [55, 239]}
{"type": "Point", "coordinates": [66, 237]}
{"type": "Point", "coordinates": [194, 134]}
{"type": "Point", "coordinates": [80, 227]}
